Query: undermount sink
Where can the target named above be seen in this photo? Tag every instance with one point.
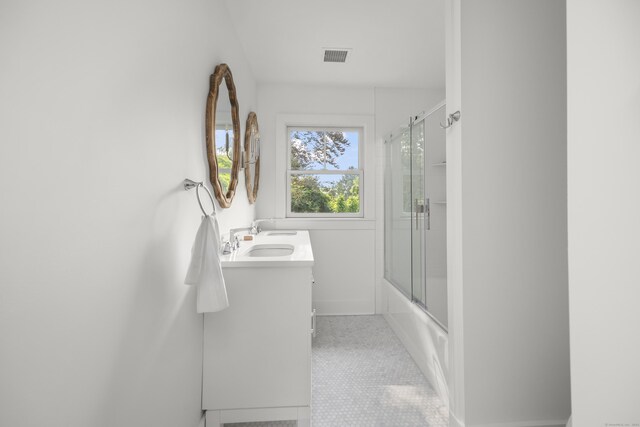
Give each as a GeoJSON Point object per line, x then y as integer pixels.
{"type": "Point", "coordinates": [282, 233]}
{"type": "Point", "coordinates": [270, 250]}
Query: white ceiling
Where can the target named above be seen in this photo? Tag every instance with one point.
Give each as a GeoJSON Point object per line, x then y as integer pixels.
{"type": "Point", "coordinates": [396, 43]}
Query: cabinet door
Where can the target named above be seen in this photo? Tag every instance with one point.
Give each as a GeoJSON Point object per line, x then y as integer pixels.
{"type": "Point", "coordinates": [257, 352]}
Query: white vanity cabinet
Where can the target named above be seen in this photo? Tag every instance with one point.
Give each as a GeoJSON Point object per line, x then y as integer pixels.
{"type": "Point", "coordinates": [257, 352]}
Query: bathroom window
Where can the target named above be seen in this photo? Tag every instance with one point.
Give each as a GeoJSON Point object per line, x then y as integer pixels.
{"type": "Point", "coordinates": [324, 173]}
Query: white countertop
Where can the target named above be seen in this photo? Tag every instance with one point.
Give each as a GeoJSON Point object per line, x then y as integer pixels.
{"type": "Point", "coordinates": [302, 255]}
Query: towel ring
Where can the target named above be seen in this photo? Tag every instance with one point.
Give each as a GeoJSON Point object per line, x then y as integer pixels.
{"type": "Point", "coordinates": [189, 184]}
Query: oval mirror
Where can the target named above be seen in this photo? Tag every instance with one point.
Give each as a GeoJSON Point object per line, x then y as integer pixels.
{"type": "Point", "coordinates": [223, 129]}
{"type": "Point", "coordinates": [252, 157]}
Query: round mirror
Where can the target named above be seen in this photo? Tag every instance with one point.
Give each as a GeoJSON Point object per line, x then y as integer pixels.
{"type": "Point", "coordinates": [252, 157]}
{"type": "Point", "coordinates": [223, 129]}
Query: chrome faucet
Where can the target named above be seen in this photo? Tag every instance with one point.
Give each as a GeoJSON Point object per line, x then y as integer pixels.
{"type": "Point", "coordinates": [229, 247]}
{"type": "Point", "coordinates": [233, 231]}
{"type": "Point", "coordinates": [255, 225]}
{"type": "Point", "coordinates": [234, 241]}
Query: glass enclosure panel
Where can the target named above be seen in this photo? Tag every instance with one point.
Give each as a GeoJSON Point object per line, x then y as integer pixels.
{"type": "Point", "coordinates": [418, 209]}
{"type": "Point", "coordinates": [435, 250]}
{"type": "Point", "coordinates": [397, 225]}
{"type": "Point", "coordinates": [415, 214]}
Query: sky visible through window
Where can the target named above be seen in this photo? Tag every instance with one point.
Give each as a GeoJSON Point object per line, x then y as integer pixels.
{"type": "Point", "coordinates": [348, 159]}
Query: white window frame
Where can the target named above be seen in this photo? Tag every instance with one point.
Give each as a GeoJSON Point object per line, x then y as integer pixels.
{"type": "Point", "coordinates": [358, 172]}
{"type": "Point", "coordinates": [366, 158]}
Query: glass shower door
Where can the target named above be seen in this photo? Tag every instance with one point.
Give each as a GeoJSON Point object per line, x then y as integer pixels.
{"type": "Point", "coordinates": [398, 219]}
{"type": "Point", "coordinates": [434, 284]}
{"type": "Point", "coordinates": [415, 213]}
{"type": "Point", "coordinates": [419, 212]}
{"type": "Point", "coordinates": [428, 235]}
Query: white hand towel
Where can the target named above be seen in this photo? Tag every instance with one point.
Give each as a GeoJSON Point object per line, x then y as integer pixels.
{"type": "Point", "coordinates": [205, 270]}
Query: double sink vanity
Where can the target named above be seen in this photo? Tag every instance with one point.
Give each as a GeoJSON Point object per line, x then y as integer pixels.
{"type": "Point", "coordinates": [257, 352]}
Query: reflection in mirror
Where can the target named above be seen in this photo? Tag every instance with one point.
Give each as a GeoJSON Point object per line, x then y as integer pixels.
{"type": "Point", "coordinates": [222, 126]}
{"type": "Point", "coordinates": [224, 138]}
{"type": "Point", "coordinates": [252, 157]}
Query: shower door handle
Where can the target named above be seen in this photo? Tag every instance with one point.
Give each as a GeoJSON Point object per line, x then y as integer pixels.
{"type": "Point", "coordinates": [419, 210]}
{"type": "Point", "coordinates": [427, 208]}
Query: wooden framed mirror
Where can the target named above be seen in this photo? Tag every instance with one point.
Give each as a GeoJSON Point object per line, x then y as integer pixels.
{"type": "Point", "coordinates": [222, 132]}
{"type": "Point", "coordinates": [252, 157]}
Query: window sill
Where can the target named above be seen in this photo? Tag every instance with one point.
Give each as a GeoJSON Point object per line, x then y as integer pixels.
{"type": "Point", "coordinates": [322, 224]}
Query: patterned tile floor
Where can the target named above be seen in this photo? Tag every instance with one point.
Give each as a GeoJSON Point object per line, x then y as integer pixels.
{"type": "Point", "coordinates": [364, 377]}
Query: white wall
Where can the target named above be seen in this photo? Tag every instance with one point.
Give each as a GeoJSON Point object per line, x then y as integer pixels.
{"type": "Point", "coordinates": [348, 253]}
{"type": "Point", "coordinates": [344, 250]}
{"type": "Point", "coordinates": [455, 271]}
{"type": "Point", "coordinates": [101, 118]}
{"type": "Point", "coordinates": [506, 175]}
{"type": "Point", "coordinates": [603, 66]}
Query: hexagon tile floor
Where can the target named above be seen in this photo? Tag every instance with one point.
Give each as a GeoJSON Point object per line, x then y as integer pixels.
{"type": "Point", "coordinates": [364, 377]}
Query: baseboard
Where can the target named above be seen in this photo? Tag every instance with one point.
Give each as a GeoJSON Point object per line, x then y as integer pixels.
{"type": "Point", "coordinates": [455, 422]}
{"type": "Point", "coordinates": [343, 308]}
{"type": "Point", "coordinates": [539, 423]}
{"type": "Point", "coordinates": [220, 417]}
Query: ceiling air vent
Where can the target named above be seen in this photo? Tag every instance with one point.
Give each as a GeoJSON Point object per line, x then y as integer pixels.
{"type": "Point", "coordinates": [335, 55]}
